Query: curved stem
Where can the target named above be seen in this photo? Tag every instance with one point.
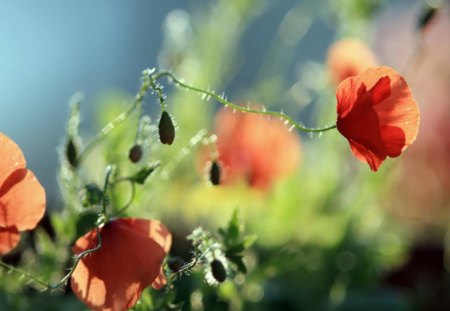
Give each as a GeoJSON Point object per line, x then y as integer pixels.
{"type": "Point", "coordinates": [66, 277]}
{"type": "Point", "coordinates": [226, 103]}
{"type": "Point", "coordinates": [109, 170]}
{"type": "Point", "coordinates": [130, 201]}
{"type": "Point", "coordinates": [77, 260]}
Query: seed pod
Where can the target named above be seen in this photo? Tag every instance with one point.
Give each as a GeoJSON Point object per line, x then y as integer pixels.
{"type": "Point", "coordinates": [71, 153]}
{"type": "Point", "coordinates": [214, 173]}
{"type": "Point", "coordinates": [175, 263]}
{"type": "Point", "coordinates": [135, 153]}
{"type": "Point", "coordinates": [218, 270]}
{"type": "Point", "coordinates": [166, 129]}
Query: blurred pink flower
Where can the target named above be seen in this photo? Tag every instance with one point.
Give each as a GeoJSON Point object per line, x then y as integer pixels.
{"type": "Point", "coordinates": [255, 149]}
{"type": "Point", "coordinates": [347, 58]}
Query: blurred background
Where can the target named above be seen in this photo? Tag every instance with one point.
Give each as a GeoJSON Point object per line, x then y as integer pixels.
{"type": "Point", "coordinates": [332, 235]}
{"type": "Point", "coordinates": [51, 50]}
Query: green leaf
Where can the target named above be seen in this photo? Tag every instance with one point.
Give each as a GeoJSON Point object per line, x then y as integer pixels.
{"type": "Point", "coordinates": [234, 227]}
{"type": "Point", "coordinates": [85, 223]}
{"type": "Point", "coordinates": [142, 175]}
{"type": "Point", "coordinates": [222, 232]}
{"type": "Point", "coordinates": [236, 249]}
{"type": "Point", "coordinates": [249, 240]}
{"type": "Point", "coordinates": [237, 260]}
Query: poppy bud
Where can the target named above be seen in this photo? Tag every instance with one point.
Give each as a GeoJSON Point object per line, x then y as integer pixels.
{"type": "Point", "coordinates": [71, 153]}
{"type": "Point", "coordinates": [218, 270]}
{"type": "Point", "coordinates": [175, 263]}
{"type": "Point", "coordinates": [214, 173]}
{"type": "Point", "coordinates": [135, 153]}
{"type": "Point", "coordinates": [426, 16]}
{"type": "Point", "coordinates": [166, 129]}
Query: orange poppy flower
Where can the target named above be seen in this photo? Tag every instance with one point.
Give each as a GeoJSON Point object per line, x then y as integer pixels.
{"type": "Point", "coordinates": [22, 198]}
{"type": "Point", "coordinates": [255, 148]}
{"type": "Point", "coordinates": [129, 259]}
{"type": "Point", "coordinates": [347, 58]}
{"type": "Point", "coordinates": [377, 114]}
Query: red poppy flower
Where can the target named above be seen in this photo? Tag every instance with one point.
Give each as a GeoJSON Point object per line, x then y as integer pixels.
{"type": "Point", "coordinates": [377, 114]}
{"type": "Point", "coordinates": [22, 198]}
{"type": "Point", "coordinates": [255, 148]}
{"type": "Point", "coordinates": [347, 58]}
{"type": "Point", "coordinates": [129, 260]}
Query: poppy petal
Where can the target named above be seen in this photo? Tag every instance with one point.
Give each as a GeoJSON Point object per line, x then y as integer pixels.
{"type": "Point", "coordinates": [360, 126]}
{"type": "Point", "coordinates": [128, 261]}
{"type": "Point", "coordinates": [22, 200]}
{"type": "Point", "coordinates": [399, 109]}
{"type": "Point", "coordinates": [9, 238]}
{"type": "Point", "coordinates": [152, 228]}
{"type": "Point", "coordinates": [394, 140]}
{"type": "Point", "coordinates": [377, 114]}
{"type": "Point", "coordinates": [160, 280]}
{"type": "Point", "coordinates": [11, 157]}
{"type": "Point", "coordinates": [347, 95]}
{"type": "Point", "coordinates": [366, 155]}
{"type": "Point", "coordinates": [159, 232]}
{"type": "Point", "coordinates": [358, 122]}
{"type": "Point", "coordinates": [381, 90]}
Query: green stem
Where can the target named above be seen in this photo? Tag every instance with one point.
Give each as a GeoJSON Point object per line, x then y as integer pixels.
{"type": "Point", "coordinates": [226, 103]}
{"type": "Point", "coordinates": [158, 90]}
{"type": "Point", "coordinates": [139, 124]}
{"type": "Point", "coordinates": [109, 170]}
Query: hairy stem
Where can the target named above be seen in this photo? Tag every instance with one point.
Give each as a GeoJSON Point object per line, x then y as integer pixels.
{"type": "Point", "coordinates": [223, 101]}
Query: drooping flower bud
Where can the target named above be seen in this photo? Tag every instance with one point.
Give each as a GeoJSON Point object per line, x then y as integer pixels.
{"type": "Point", "coordinates": [215, 173]}
{"type": "Point", "coordinates": [166, 129]}
{"type": "Point", "coordinates": [426, 16]}
{"type": "Point", "coordinates": [175, 263]}
{"type": "Point", "coordinates": [218, 270]}
{"type": "Point", "coordinates": [135, 153]}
